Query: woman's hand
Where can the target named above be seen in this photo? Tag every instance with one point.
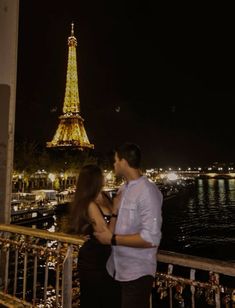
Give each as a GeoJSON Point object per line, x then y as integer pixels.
{"type": "Point", "coordinates": [85, 238]}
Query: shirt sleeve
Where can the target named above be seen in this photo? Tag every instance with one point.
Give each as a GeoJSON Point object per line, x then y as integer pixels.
{"type": "Point", "coordinates": [150, 211]}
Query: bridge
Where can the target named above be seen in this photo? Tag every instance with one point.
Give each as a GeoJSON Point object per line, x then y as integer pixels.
{"type": "Point", "coordinates": [199, 174]}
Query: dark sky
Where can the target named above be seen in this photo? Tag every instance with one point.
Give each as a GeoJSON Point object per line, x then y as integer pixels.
{"type": "Point", "coordinates": [169, 69]}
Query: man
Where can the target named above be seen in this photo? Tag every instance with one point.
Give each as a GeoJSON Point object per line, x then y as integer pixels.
{"type": "Point", "coordinates": [137, 231]}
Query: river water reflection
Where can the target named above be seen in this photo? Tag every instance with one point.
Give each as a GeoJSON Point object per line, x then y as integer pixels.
{"type": "Point", "coordinates": [201, 222]}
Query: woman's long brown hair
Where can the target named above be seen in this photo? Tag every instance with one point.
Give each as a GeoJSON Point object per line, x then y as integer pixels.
{"type": "Point", "coordinates": [89, 184]}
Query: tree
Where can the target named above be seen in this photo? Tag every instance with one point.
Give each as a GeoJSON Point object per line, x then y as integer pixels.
{"type": "Point", "coordinates": [25, 157]}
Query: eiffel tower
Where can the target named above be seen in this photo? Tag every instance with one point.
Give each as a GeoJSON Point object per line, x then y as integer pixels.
{"type": "Point", "coordinates": [71, 132]}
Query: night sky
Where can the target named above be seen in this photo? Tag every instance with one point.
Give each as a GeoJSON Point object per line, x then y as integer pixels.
{"type": "Point", "coordinates": [169, 71]}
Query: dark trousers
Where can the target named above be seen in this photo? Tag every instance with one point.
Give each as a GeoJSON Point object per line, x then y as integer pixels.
{"type": "Point", "coordinates": [136, 293]}
{"type": "Point", "coordinates": [99, 290]}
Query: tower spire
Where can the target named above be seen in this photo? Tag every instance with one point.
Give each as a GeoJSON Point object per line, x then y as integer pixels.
{"type": "Point", "coordinates": [72, 29]}
{"type": "Point", "coordinates": [71, 131]}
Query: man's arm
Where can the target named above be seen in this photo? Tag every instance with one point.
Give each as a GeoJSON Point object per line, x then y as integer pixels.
{"type": "Point", "coordinates": [150, 211]}
{"type": "Point", "coordinates": [150, 230]}
{"type": "Point", "coordinates": [130, 240]}
{"type": "Point", "coordinates": [104, 236]}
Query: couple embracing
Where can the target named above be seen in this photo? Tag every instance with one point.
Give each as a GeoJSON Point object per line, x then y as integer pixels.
{"type": "Point", "coordinates": [117, 264]}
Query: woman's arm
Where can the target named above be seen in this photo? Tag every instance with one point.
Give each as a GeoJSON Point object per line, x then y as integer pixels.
{"type": "Point", "coordinates": [96, 218]}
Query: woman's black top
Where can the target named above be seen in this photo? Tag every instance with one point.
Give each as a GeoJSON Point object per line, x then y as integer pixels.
{"type": "Point", "coordinates": [93, 255]}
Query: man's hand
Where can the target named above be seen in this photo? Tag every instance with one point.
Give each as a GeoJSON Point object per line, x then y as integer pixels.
{"type": "Point", "coordinates": [104, 237]}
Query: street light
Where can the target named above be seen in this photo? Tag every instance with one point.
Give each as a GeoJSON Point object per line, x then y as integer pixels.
{"type": "Point", "coordinates": [21, 178]}
{"type": "Point", "coordinates": [51, 176]}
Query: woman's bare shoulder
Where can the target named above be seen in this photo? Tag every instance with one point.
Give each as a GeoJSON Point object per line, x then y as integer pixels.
{"type": "Point", "coordinates": [92, 206]}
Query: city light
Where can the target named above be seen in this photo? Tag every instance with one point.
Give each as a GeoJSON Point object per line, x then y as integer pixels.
{"type": "Point", "coordinates": [51, 176]}
{"type": "Point", "coordinates": [172, 176]}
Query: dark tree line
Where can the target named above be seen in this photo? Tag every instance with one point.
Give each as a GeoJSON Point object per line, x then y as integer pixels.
{"type": "Point", "coordinates": [30, 156]}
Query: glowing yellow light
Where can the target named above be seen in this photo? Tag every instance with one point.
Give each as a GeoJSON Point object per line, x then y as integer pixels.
{"type": "Point", "coordinates": [109, 176]}
{"type": "Point", "coordinates": [212, 175]}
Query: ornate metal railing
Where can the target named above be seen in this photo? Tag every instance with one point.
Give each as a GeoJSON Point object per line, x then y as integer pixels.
{"type": "Point", "coordinates": [38, 269]}
{"type": "Point", "coordinates": [189, 281]}
{"type": "Point", "coordinates": [38, 266]}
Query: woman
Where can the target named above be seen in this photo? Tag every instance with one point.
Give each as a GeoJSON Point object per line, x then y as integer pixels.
{"type": "Point", "coordinates": [91, 212]}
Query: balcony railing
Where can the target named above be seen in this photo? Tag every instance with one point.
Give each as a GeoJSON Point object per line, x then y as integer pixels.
{"type": "Point", "coordinates": [38, 269]}
{"type": "Point", "coordinates": [189, 281]}
{"type": "Point", "coordinates": [38, 266]}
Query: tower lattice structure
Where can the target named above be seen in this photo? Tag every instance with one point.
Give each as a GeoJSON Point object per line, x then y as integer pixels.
{"type": "Point", "coordinates": [71, 131]}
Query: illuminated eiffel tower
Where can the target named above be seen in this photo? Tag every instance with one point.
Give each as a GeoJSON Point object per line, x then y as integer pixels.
{"type": "Point", "coordinates": [71, 132]}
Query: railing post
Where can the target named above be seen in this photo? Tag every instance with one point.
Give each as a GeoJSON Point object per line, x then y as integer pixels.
{"type": "Point", "coordinates": [67, 278]}
{"type": "Point", "coordinates": [16, 270]}
{"type": "Point", "coordinates": [169, 272]}
{"type": "Point", "coordinates": [192, 288]}
{"type": "Point", "coordinates": [25, 273]}
{"type": "Point", "coordinates": [217, 291]}
{"type": "Point", "coordinates": [46, 280]}
{"type": "Point", "coordinates": [6, 275]}
{"type": "Point", "coordinates": [57, 275]}
{"type": "Point", "coordinates": [35, 268]}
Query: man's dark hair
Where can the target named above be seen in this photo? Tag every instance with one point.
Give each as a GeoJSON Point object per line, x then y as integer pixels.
{"type": "Point", "coordinates": [131, 153]}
